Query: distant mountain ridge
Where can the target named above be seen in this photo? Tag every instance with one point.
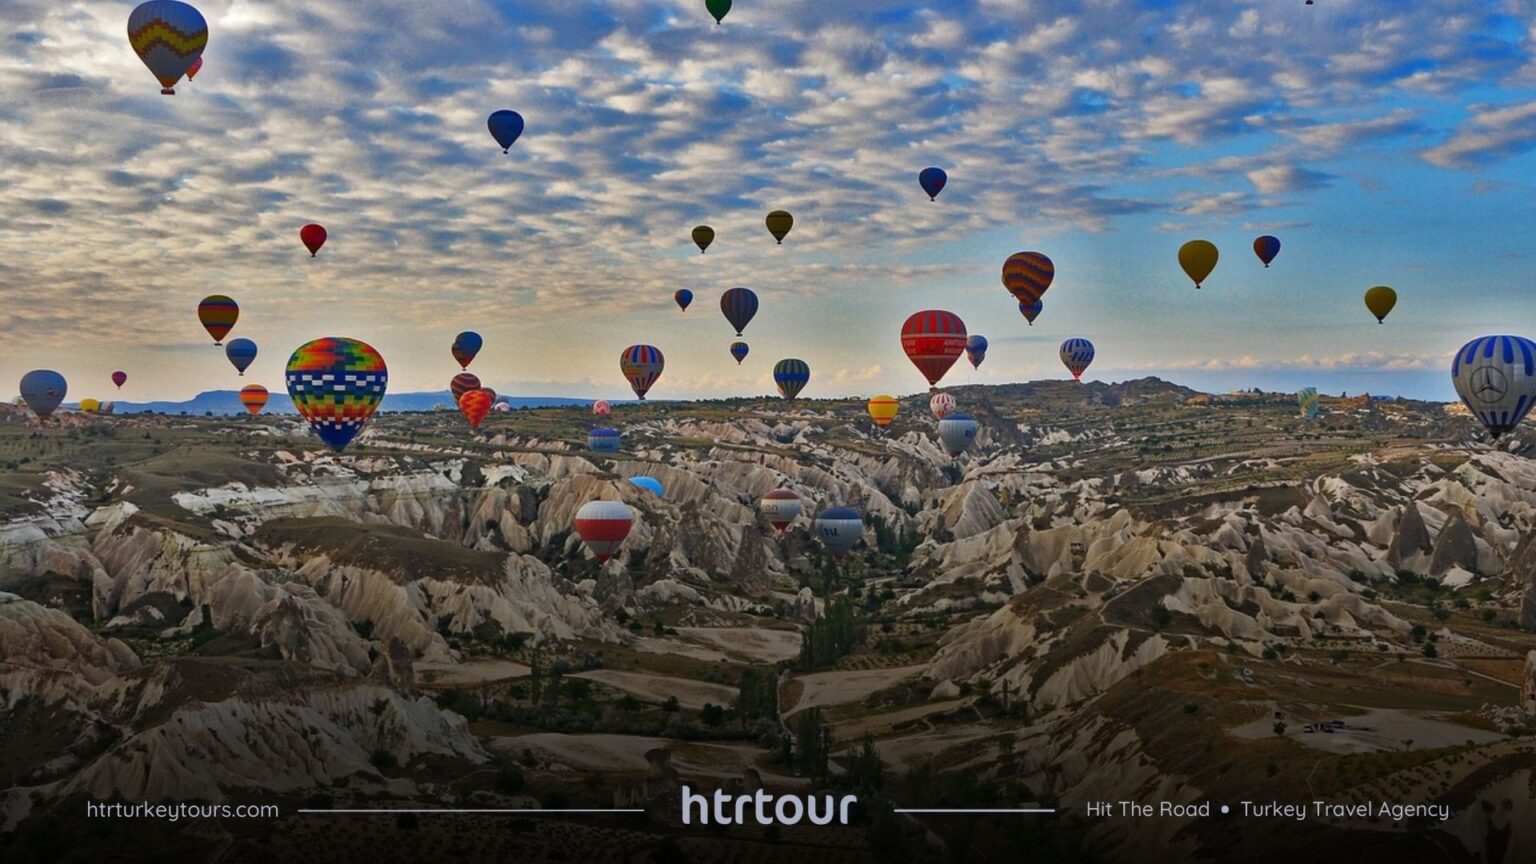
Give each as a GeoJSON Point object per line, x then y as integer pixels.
{"type": "Point", "coordinates": [228, 402]}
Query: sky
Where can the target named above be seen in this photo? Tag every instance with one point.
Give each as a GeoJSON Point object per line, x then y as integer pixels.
{"type": "Point", "coordinates": [1384, 142]}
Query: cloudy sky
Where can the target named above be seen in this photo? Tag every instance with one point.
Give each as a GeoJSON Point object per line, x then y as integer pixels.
{"type": "Point", "coordinates": [1385, 142]}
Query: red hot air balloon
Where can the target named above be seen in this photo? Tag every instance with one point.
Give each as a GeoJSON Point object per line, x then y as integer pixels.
{"type": "Point", "coordinates": [601, 408]}
{"type": "Point", "coordinates": [603, 525]}
{"type": "Point", "coordinates": [119, 378]}
{"type": "Point", "coordinates": [313, 237]}
{"type": "Point", "coordinates": [934, 340]}
{"type": "Point", "coordinates": [781, 506]}
{"type": "Point", "coordinates": [475, 405]}
{"type": "Point", "coordinates": [463, 383]}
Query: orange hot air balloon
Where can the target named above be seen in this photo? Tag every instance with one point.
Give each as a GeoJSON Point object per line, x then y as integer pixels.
{"type": "Point", "coordinates": [475, 405]}
{"type": "Point", "coordinates": [313, 236]}
{"type": "Point", "coordinates": [253, 397]}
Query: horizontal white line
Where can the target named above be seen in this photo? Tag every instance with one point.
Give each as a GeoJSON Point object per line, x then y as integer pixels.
{"type": "Point", "coordinates": [968, 810]}
{"type": "Point", "coordinates": [523, 810]}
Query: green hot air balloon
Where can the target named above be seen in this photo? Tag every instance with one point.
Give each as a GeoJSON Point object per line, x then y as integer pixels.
{"type": "Point", "coordinates": [718, 8]}
{"type": "Point", "coordinates": [779, 223]}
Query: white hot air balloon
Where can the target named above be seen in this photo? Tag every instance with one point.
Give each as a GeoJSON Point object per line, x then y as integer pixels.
{"type": "Point", "coordinates": [956, 432]}
{"type": "Point", "coordinates": [839, 529]}
{"type": "Point", "coordinates": [1496, 377]}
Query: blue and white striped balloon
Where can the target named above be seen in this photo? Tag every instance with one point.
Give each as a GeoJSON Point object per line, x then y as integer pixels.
{"type": "Point", "coordinates": [1496, 377]}
{"type": "Point", "coordinates": [1076, 354]}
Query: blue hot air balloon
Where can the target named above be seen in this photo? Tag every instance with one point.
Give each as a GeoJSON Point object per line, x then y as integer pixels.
{"type": "Point", "coordinates": [505, 127]}
{"type": "Point", "coordinates": [1266, 247]}
{"type": "Point", "coordinates": [932, 181]}
{"type": "Point", "coordinates": [603, 440]}
{"type": "Point", "coordinates": [1076, 354]}
{"type": "Point", "coordinates": [684, 298]}
{"type": "Point", "coordinates": [465, 346]}
{"type": "Point", "coordinates": [976, 349]}
{"type": "Point", "coordinates": [739, 351]}
{"type": "Point", "coordinates": [956, 432]}
{"type": "Point", "coordinates": [1031, 311]}
{"type": "Point", "coordinates": [791, 375]}
{"type": "Point", "coordinates": [839, 529]}
{"type": "Point", "coordinates": [241, 353]}
{"type": "Point", "coordinates": [650, 484]}
{"type": "Point", "coordinates": [1495, 376]}
{"type": "Point", "coordinates": [43, 390]}
{"type": "Point", "coordinates": [739, 305]}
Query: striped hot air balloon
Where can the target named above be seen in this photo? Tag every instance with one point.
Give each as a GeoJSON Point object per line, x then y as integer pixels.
{"type": "Point", "coordinates": [603, 525]}
{"type": "Point", "coordinates": [933, 340]}
{"type": "Point", "coordinates": [336, 384]}
{"type": "Point", "coordinates": [739, 305]}
{"type": "Point", "coordinates": [1027, 275]}
{"type": "Point", "coordinates": [218, 315]}
{"type": "Point", "coordinates": [882, 410]}
{"type": "Point", "coordinates": [942, 405]}
{"type": "Point", "coordinates": [475, 405]}
{"type": "Point", "coordinates": [739, 351]}
{"type": "Point", "coordinates": [604, 440]}
{"type": "Point", "coordinates": [781, 506]}
{"type": "Point", "coordinates": [254, 398]}
{"type": "Point", "coordinates": [463, 383]}
{"type": "Point", "coordinates": [1496, 378]}
{"type": "Point", "coordinates": [1031, 311]}
{"type": "Point", "coordinates": [642, 365]}
{"type": "Point", "coordinates": [1076, 354]}
{"type": "Point", "coordinates": [1309, 403]}
{"type": "Point", "coordinates": [169, 37]}
{"type": "Point", "coordinates": [791, 376]}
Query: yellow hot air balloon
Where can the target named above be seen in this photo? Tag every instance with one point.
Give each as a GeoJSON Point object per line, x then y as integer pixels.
{"type": "Point", "coordinates": [882, 410]}
{"type": "Point", "coordinates": [779, 223]}
{"type": "Point", "coordinates": [1380, 301]}
{"type": "Point", "coordinates": [1198, 258]}
{"type": "Point", "coordinates": [89, 406]}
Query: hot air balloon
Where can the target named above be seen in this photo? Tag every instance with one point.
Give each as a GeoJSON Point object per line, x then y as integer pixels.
{"type": "Point", "coordinates": [642, 365]}
{"type": "Point", "coordinates": [649, 484]}
{"type": "Point", "coordinates": [463, 383]}
{"type": "Point", "coordinates": [90, 406]}
{"type": "Point", "coordinates": [492, 392]}
{"type": "Point", "coordinates": [119, 378]}
{"type": "Point", "coordinates": [465, 346]}
{"type": "Point", "coordinates": [505, 126]}
{"type": "Point", "coordinates": [169, 37]}
{"type": "Point", "coordinates": [976, 349]}
{"type": "Point", "coordinates": [107, 407]}
{"type": "Point", "coordinates": [739, 305]}
{"type": "Point", "coordinates": [1031, 311]}
{"type": "Point", "coordinates": [932, 180]}
{"type": "Point", "coordinates": [779, 223]}
{"type": "Point", "coordinates": [475, 405]}
{"type": "Point", "coordinates": [603, 525]}
{"type": "Point", "coordinates": [942, 405]}
{"type": "Point", "coordinates": [1266, 247]}
{"type": "Point", "coordinates": [684, 298]}
{"type": "Point", "coordinates": [218, 314]}
{"type": "Point", "coordinates": [739, 351]}
{"type": "Point", "coordinates": [839, 529]}
{"type": "Point", "coordinates": [791, 375]}
{"type": "Point", "coordinates": [1076, 354]}
{"type": "Point", "coordinates": [43, 390]}
{"type": "Point", "coordinates": [241, 354]}
{"type": "Point", "coordinates": [781, 506]}
{"type": "Point", "coordinates": [1496, 377]}
{"type": "Point", "coordinates": [196, 67]}
{"type": "Point", "coordinates": [1027, 275]}
{"type": "Point", "coordinates": [336, 384]}
{"type": "Point", "coordinates": [604, 440]}
{"type": "Point", "coordinates": [933, 340]}
{"type": "Point", "coordinates": [703, 235]}
{"type": "Point", "coordinates": [313, 237]}
{"type": "Point", "coordinates": [718, 8]}
{"type": "Point", "coordinates": [600, 408]}
{"type": "Point", "coordinates": [254, 398]}
{"type": "Point", "coordinates": [1198, 258]}
{"type": "Point", "coordinates": [956, 432]}
{"type": "Point", "coordinates": [1308, 401]}
{"type": "Point", "coordinates": [882, 410]}
{"type": "Point", "coordinates": [1380, 301]}
{"type": "Point", "coordinates": [501, 408]}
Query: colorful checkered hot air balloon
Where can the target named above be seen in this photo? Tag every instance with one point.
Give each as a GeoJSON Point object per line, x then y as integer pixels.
{"type": "Point", "coordinates": [642, 365]}
{"type": "Point", "coordinates": [336, 384]}
{"type": "Point", "coordinates": [934, 340]}
{"type": "Point", "coordinates": [218, 315]}
{"type": "Point", "coordinates": [254, 398]}
{"type": "Point", "coordinates": [791, 376]}
{"type": "Point", "coordinates": [1027, 275]}
{"type": "Point", "coordinates": [169, 37]}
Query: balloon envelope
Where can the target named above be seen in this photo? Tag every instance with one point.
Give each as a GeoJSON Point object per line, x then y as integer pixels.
{"type": "Point", "coordinates": [739, 305]}
{"type": "Point", "coordinates": [90, 406]}
{"type": "Point", "coordinates": [1076, 354]}
{"type": "Point", "coordinates": [119, 378]}
{"type": "Point", "coordinates": [465, 346]}
{"type": "Point", "coordinates": [603, 525]}
{"type": "Point", "coordinates": [1307, 400]}
{"type": "Point", "coordinates": [313, 237]}
{"type": "Point", "coordinates": [463, 383]}
{"type": "Point", "coordinates": [883, 409]}
{"type": "Point", "coordinates": [43, 390]}
{"type": "Point", "coordinates": [254, 398]}
{"type": "Point", "coordinates": [1027, 275]}
{"type": "Point", "coordinates": [1496, 377]}
{"type": "Point", "coordinates": [196, 67]}
{"type": "Point", "coordinates": [1198, 258]}
{"type": "Point", "coordinates": [932, 180]}
{"type": "Point", "coordinates": [781, 506]}
{"type": "Point", "coordinates": [642, 365]}
{"type": "Point", "coordinates": [475, 405]}
{"type": "Point", "coordinates": [791, 376]}
{"type": "Point", "coordinates": [739, 351]}
{"type": "Point", "coordinates": [779, 222]}
{"type": "Point", "coordinates": [933, 340]}
{"type": "Point", "coordinates": [218, 315]}
{"type": "Point", "coordinates": [1031, 311]}
{"type": "Point", "coordinates": [241, 354]}
{"type": "Point", "coordinates": [604, 440]}
{"type": "Point", "coordinates": [942, 405]}
{"type": "Point", "coordinates": [684, 298]}
{"type": "Point", "coordinates": [718, 8]}
{"type": "Point", "coordinates": [703, 235]}
{"type": "Point", "coordinates": [601, 408]}
{"type": "Point", "coordinates": [505, 126]}
{"type": "Point", "coordinates": [1266, 247]}
{"type": "Point", "coordinates": [336, 383]}
{"type": "Point", "coordinates": [169, 37]}
{"type": "Point", "coordinates": [1380, 301]}
{"type": "Point", "coordinates": [976, 349]}
{"type": "Point", "coordinates": [839, 529]}
{"type": "Point", "coordinates": [956, 432]}
{"type": "Point", "coordinates": [649, 484]}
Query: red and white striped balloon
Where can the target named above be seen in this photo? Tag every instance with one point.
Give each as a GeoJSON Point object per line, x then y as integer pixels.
{"type": "Point", "coordinates": [603, 525]}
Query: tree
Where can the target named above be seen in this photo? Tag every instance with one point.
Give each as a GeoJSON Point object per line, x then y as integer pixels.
{"type": "Point", "coordinates": [712, 715]}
